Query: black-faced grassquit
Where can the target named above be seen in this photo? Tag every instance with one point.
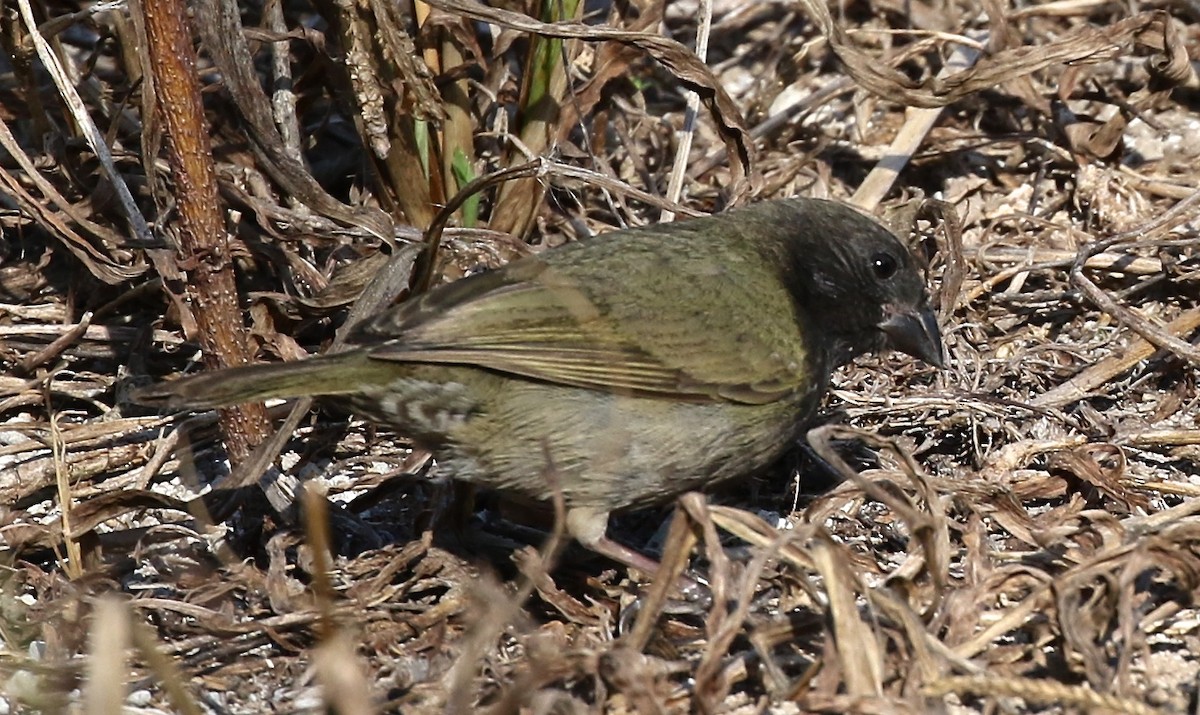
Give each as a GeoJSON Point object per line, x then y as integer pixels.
{"type": "Point", "coordinates": [634, 366]}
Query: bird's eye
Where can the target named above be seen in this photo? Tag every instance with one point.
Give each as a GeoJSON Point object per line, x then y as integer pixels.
{"type": "Point", "coordinates": [884, 265]}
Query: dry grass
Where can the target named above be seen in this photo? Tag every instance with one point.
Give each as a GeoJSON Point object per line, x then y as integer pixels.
{"type": "Point", "coordinates": [1016, 533]}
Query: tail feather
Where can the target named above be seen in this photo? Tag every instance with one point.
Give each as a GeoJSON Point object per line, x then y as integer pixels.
{"type": "Point", "coordinates": [327, 375]}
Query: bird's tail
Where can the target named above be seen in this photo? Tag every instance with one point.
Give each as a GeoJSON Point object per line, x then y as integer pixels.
{"type": "Point", "coordinates": [327, 375]}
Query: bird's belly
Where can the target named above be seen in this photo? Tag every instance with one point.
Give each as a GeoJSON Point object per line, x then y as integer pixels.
{"type": "Point", "coordinates": [601, 450]}
{"type": "Point", "coordinates": [610, 451]}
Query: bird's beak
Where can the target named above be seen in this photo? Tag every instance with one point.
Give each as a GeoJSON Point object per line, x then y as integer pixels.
{"type": "Point", "coordinates": [914, 332]}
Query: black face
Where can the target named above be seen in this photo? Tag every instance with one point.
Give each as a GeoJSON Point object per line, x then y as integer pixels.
{"type": "Point", "coordinates": [861, 286]}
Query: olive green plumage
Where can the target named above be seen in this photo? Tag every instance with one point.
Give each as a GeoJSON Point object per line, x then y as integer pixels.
{"type": "Point", "coordinates": [642, 362]}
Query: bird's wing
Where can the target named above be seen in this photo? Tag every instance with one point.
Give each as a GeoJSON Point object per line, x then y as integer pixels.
{"type": "Point", "coordinates": [721, 336]}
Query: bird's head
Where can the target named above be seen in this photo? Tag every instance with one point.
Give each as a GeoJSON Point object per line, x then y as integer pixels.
{"type": "Point", "coordinates": [859, 284]}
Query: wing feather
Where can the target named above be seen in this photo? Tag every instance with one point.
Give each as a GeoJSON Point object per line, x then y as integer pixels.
{"type": "Point", "coordinates": [593, 315]}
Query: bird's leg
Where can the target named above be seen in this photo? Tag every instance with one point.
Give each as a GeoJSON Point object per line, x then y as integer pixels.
{"type": "Point", "coordinates": [590, 529]}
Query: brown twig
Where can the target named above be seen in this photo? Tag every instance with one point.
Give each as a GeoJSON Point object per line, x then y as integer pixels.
{"type": "Point", "coordinates": [203, 241]}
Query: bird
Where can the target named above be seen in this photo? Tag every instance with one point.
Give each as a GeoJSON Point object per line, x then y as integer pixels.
{"type": "Point", "coordinates": [622, 370]}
